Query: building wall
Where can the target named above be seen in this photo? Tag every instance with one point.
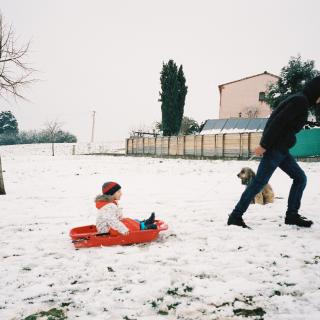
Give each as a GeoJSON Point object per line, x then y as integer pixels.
{"type": "Point", "coordinates": [241, 98]}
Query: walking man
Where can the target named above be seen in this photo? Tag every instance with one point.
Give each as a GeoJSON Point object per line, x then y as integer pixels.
{"type": "Point", "coordinates": [278, 137]}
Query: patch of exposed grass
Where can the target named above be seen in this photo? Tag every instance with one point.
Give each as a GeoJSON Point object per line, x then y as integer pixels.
{"type": "Point", "coordinates": [52, 314]}
{"type": "Point", "coordinates": [257, 312]}
{"type": "Point", "coordinates": [179, 291]}
{"type": "Point", "coordinates": [26, 269]}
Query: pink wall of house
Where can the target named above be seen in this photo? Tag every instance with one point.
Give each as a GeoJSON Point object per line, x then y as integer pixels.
{"type": "Point", "coordinates": [242, 97]}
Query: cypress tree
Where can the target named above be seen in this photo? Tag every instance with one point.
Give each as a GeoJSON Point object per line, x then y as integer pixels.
{"type": "Point", "coordinates": [182, 92]}
{"type": "Point", "coordinates": [172, 97]}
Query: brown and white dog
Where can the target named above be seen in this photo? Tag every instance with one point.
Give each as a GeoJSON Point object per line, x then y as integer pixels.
{"type": "Point", "coordinates": [265, 196]}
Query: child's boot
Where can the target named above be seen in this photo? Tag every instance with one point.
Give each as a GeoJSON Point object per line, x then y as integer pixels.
{"type": "Point", "coordinates": [150, 220]}
{"type": "Point", "coordinates": [151, 226]}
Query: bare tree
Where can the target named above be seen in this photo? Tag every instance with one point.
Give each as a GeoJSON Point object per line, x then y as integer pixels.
{"type": "Point", "coordinates": [14, 70]}
{"type": "Point", "coordinates": [139, 130]}
{"type": "Point", "coordinates": [251, 112]}
{"type": "Point", "coordinates": [52, 129]}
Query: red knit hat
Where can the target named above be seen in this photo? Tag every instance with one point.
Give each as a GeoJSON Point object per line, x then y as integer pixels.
{"type": "Point", "coordinates": [110, 188]}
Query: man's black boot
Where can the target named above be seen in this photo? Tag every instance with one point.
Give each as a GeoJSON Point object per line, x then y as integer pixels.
{"type": "Point", "coordinates": [296, 219]}
{"type": "Point", "coordinates": [236, 221]}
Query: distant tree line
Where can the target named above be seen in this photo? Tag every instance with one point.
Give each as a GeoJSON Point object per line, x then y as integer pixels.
{"type": "Point", "coordinates": [9, 133]}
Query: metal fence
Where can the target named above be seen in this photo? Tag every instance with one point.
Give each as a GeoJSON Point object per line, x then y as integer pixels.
{"type": "Point", "coordinates": [308, 143]}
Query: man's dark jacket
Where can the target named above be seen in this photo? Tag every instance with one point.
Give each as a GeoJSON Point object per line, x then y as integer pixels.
{"type": "Point", "coordinates": [289, 117]}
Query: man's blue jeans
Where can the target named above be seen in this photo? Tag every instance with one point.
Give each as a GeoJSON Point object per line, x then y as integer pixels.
{"type": "Point", "coordinates": [271, 160]}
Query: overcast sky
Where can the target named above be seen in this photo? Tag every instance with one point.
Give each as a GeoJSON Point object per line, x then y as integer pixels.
{"type": "Point", "coordinates": [106, 55]}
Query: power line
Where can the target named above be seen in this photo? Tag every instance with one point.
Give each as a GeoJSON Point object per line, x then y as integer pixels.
{"type": "Point", "coordinates": [93, 122]}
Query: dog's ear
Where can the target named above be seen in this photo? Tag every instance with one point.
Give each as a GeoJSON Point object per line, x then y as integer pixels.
{"type": "Point", "coordinates": [251, 173]}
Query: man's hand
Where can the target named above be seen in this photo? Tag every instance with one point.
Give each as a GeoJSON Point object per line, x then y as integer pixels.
{"type": "Point", "coordinates": [259, 151]}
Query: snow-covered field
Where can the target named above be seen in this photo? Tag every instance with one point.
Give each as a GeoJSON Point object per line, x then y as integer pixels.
{"type": "Point", "coordinates": [117, 146]}
{"type": "Point", "coordinates": [199, 269]}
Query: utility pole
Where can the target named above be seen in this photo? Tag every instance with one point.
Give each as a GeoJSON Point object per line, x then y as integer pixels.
{"type": "Point", "coordinates": [93, 120]}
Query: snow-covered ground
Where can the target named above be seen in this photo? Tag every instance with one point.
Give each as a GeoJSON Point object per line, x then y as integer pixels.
{"type": "Point", "coordinates": [116, 146]}
{"type": "Point", "coordinates": [199, 269]}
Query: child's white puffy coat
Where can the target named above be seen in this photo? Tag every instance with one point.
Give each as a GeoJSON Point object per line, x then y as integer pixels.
{"type": "Point", "coordinates": [109, 216]}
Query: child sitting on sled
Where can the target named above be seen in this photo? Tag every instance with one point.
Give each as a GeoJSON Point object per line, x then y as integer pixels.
{"type": "Point", "coordinates": [109, 216]}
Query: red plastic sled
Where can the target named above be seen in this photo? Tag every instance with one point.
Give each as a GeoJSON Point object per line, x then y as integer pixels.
{"type": "Point", "coordinates": [87, 236]}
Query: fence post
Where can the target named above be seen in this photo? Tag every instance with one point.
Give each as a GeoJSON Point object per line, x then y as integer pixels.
{"type": "Point", "coordinates": [223, 147]}
{"type": "Point", "coordinates": [215, 144]}
{"type": "Point", "coordinates": [249, 142]}
{"type": "Point", "coordinates": [161, 148]}
{"type": "Point", "coordinates": [201, 143]}
{"type": "Point", "coordinates": [127, 146]}
{"type": "Point", "coordinates": [177, 145]}
{"type": "Point", "coordinates": [241, 146]}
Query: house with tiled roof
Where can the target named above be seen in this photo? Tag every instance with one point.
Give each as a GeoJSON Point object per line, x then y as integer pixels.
{"type": "Point", "coordinates": [244, 98]}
